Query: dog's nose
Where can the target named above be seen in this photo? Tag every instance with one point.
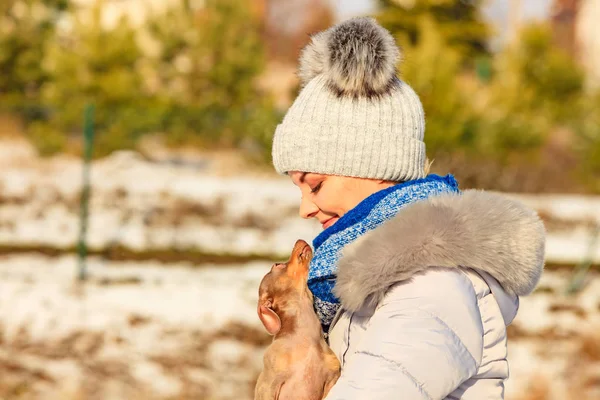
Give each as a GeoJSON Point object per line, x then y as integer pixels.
{"type": "Point", "coordinates": [301, 248]}
{"type": "Point", "coordinates": [303, 251]}
{"type": "Point", "coordinates": [300, 244]}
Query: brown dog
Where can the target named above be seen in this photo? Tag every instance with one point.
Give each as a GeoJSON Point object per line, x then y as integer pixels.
{"type": "Point", "coordinates": [298, 364]}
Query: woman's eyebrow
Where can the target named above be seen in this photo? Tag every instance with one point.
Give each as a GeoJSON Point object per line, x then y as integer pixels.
{"type": "Point", "coordinates": [302, 177]}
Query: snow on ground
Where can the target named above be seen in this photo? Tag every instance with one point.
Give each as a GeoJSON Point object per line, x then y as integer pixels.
{"type": "Point", "coordinates": [178, 295]}
{"type": "Point", "coordinates": [147, 330]}
{"type": "Point", "coordinates": [142, 205]}
{"type": "Point", "coordinates": [573, 225]}
{"type": "Point", "coordinates": [135, 330]}
{"type": "Point", "coordinates": [554, 343]}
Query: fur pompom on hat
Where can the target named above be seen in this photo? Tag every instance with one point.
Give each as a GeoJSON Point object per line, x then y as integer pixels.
{"type": "Point", "coordinates": [357, 58]}
{"type": "Point", "coordinates": [353, 116]}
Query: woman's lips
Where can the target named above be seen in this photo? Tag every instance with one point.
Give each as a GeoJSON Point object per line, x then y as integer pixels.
{"type": "Point", "coordinates": [329, 222]}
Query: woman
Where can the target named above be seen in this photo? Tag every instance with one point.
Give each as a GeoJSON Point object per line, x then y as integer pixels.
{"type": "Point", "coordinates": [414, 281]}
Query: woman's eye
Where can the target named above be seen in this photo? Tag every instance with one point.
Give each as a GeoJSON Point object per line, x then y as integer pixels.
{"type": "Point", "coordinates": [316, 189]}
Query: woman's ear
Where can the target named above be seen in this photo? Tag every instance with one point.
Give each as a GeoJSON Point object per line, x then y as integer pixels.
{"type": "Point", "coordinates": [269, 319]}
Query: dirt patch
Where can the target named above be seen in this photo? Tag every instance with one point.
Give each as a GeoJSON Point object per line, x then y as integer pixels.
{"type": "Point", "coordinates": [98, 376]}
{"type": "Point", "coordinates": [590, 348]}
{"type": "Point", "coordinates": [567, 267]}
{"type": "Point", "coordinates": [545, 289]}
{"type": "Point", "coordinates": [555, 224]}
{"type": "Point", "coordinates": [568, 308]}
{"type": "Point", "coordinates": [117, 281]}
{"type": "Point", "coordinates": [181, 210]}
{"type": "Point", "coordinates": [137, 320]}
{"type": "Point", "coordinates": [539, 389]}
{"type": "Point", "coordinates": [168, 256]}
{"type": "Point", "coordinates": [516, 332]}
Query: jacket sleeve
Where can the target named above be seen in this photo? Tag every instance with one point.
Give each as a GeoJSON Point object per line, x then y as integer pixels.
{"type": "Point", "coordinates": [424, 339]}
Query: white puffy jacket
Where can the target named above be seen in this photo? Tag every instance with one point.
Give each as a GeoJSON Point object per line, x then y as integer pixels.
{"type": "Point", "coordinates": [427, 296]}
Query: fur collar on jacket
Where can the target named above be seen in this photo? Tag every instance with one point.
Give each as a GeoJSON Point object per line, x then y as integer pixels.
{"type": "Point", "coordinates": [475, 229]}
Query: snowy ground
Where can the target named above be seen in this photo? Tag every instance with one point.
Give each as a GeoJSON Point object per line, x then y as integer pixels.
{"type": "Point", "coordinates": [152, 331]}
{"type": "Point", "coordinates": [182, 330]}
{"type": "Point", "coordinates": [142, 205]}
{"type": "Point", "coordinates": [133, 331]}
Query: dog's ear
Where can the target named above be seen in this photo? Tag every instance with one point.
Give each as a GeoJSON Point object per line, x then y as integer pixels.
{"type": "Point", "coordinates": [269, 318]}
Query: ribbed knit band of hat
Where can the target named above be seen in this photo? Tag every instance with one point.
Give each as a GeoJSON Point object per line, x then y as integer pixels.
{"type": "Point", "coordinates": [353, 116]}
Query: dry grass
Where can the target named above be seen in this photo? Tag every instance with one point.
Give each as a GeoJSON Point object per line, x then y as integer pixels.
{"type": "Point", "coordinates": [165, 255]}
{"type": "Point", "coordinates": [516, 332]}
{"type": "Point", "coordinates": [21, 378]}
{"type": "Point", "coordinates": [579, 354]}
{"type": "Point", "coordinates": [555, 224]}
{"type": "Point", "coordinates": [568, 308]}
{"type": "Point", "coordinates": [539, 389]}
{"type": "Point", "coordinates": [590, 348]}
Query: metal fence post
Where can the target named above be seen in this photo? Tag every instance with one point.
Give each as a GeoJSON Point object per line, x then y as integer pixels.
{"type": "Point", "coordinates": [88, 142]}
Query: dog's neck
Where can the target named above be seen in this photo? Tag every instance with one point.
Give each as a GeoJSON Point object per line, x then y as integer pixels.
{"type": "Point", "coordinates": [298, 318]}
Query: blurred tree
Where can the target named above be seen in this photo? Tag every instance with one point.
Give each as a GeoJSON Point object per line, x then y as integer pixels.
{"type": "Point", "coordinates": [459, 22]}
{"type": "Point", "coordinates": [440, 38]}
{"type": "Point", "coordinates": [207, 64]}
{"type": "Point", "coordinates": [537, 77]}
{"type": "Point", "coordinates": [432, 70]}
{"type": "Point", "coordinates": [530, 113]}
{"type": "Point", "coordinates": [91, 63]}
{"type": "Point", "coordinates": [25, 28]}
{"type": "Point", "coordinates": [191, 75]}
{"type": "Point", "coordinates": [537, 89]}
{"type": "Point", "coordinates": [588, 143]}
{"type": "Point", "coordinates": [535, 116]}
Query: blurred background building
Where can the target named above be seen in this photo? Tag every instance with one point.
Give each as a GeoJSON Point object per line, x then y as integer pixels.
{"type": "Point", "coordinates": [186, 213]}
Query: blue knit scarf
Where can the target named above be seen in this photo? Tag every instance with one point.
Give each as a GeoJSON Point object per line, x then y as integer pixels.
{"type": "Point", "coordinates": [367, 215]}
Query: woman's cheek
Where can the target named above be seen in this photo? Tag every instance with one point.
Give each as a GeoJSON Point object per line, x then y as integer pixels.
{"type": "Point", "coordinates": [324, 201]}
{"type": "Point", "coordinates": [316, 199]}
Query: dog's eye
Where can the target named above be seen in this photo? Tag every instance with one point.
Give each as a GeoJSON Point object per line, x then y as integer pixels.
{"type": "Point", "coordinates": [279, 266]}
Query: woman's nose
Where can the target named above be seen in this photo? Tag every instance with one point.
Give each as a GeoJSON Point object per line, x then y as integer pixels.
{"type": "Point", "coordinates": [308, 209]}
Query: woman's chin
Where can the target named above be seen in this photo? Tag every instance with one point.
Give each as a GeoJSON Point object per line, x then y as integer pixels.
{"type": "Point", "coordinates": [330, 222]}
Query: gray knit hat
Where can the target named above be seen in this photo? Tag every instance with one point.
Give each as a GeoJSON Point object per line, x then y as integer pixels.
{"type": "Point", "coordinates": [353, 116]}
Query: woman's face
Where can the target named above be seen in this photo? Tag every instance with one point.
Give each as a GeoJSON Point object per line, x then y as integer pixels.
{"type": "Point", "coordinates": [329, 197]}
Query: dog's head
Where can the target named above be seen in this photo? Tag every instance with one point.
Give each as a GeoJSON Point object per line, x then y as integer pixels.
{"type": "Point", "coordinates": [283, 287]}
